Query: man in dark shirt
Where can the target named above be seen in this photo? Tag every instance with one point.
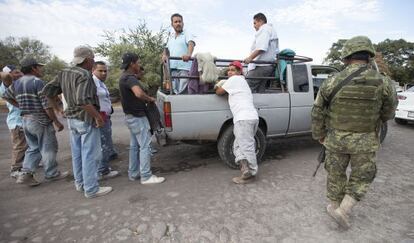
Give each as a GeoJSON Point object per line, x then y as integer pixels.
{"type": "Point", "coordinates": [134, 99]}
{"type": "Point", "coordinates": [38, 120]}
{"type": "Point", "coordinates": [79, 89]}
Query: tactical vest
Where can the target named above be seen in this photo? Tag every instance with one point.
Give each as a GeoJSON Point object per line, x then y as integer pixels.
{"type": "Point", "coordinates": [356, 107]}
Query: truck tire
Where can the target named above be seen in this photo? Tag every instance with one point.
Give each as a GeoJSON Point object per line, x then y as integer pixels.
{"type": "Point", "coordinates": [400, 121]}
{"type": "Point", "coordinates": [383, 131]}
{"type": "Point", "coordinates": [225, 146]}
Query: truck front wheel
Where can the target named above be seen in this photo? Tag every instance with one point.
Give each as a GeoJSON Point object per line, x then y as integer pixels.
{"type": "Point", "coordinates": [225, 146]}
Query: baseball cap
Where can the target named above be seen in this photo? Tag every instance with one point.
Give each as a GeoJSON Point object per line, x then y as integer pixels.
{"type": "Point", "coordinates": [8, 68]}
{"type": "Point", "coordinates": [237, 64]}
{"type": "Point", "coordinates": [127, 59]}
{"type": "Point", "coordinates": [81, 53]}
{"type": "Point", "coordinates": [30, 61]}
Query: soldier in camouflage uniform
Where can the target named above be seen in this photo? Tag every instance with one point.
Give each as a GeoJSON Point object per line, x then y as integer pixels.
{"type": "Point", "coordinates": [348, 126]}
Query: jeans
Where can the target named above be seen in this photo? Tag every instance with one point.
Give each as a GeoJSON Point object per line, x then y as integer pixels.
{"type": "Point", "coordinates": [107, 147]}
{"type": "Point", "coordinates": [179, 85]}
{"type": "Point", "coordinates": [85, 143]}
{"type": "Point", "coordinates": [244, 143]}
{"type": "Point", "coordinates": [43, 146]}
{"type": "Point", "coordinates": [139, 147]}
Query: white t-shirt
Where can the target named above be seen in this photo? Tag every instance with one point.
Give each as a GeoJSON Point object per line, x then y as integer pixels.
{"type": "Point", "coordinates": [240, 99]}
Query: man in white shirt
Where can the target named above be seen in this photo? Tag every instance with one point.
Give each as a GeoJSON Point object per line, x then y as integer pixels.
{"type": "Point", "coordinates": [180, 44]}
{"type": "Point", "coordinates": [264, 48]}
{"type": "Point", "coordinates": [100, 72]}
{"type": "Point", "coordinates": [245, 119]}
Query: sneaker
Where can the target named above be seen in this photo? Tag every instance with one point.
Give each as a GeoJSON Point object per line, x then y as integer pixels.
{"type": "Point", "coordinates": [103, 190]}
{"type": "Point", "coordinates": [14, 174]}
{"type": "Point", "coordinates": [153, 180]}
{"type": "Point", "coordinates": [59, 176]}
{"type": "Point", "coordinates": [79, 187]}
{"type": "Point", "coordinates": [134, 178]}
{"type": "Point", "coordinates": [111, 174]}
{"type": "Point", "coordinates": [27, 179]}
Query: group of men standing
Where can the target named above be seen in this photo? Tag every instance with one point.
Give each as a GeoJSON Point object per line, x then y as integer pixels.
{"type": "Point", "coordinates": [32, 121]}
{"type": "Point", "coordinates": [348, 110]}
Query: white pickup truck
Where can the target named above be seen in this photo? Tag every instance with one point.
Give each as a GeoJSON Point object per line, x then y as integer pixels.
{"type": "Point", "coordinates": [283, 111]}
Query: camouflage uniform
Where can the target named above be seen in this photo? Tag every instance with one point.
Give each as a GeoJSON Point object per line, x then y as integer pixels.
{"type": "Point", "coordinates": [350, 126]}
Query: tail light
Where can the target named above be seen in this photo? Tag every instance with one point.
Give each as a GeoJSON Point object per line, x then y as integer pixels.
{"type": "Point", "coordinates": [401, 97]}
{"type": "Point", "coordinates": [167, 116]}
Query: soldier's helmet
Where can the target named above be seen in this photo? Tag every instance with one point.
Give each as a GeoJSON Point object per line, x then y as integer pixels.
{"type": "Point", "coordinates": [357, 44]}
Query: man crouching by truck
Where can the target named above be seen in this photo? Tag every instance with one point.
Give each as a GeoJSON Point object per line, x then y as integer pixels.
{"type": "Point", "coordinates": [134, 99]}
{"type": "Point", "coordinates": [245, 119]}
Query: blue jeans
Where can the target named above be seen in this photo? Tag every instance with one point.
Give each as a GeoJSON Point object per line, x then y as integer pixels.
{"type": "Point", "coordinates": [107, 147]}
{"type": "Point", "coordinates": [43, 146]}
{"type": "Point", "coordinates": [85, 143]}
{"type": "Point", "coordinates": [139, 147]}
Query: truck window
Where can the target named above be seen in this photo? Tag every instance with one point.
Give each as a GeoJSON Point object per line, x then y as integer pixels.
{"type": "Point", "coordinates": [319, 75]}
{"type": "Point", "coordinates": [300, 78]}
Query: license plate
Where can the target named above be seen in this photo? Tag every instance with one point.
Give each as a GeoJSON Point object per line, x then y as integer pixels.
{"type": "Point", "coordinates": [411, 114]}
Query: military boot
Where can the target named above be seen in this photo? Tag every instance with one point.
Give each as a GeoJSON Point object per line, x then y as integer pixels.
{"type": "Point", "coordinates": [341, 214]}
{"type": "Point", "coordinates": [332, 206]}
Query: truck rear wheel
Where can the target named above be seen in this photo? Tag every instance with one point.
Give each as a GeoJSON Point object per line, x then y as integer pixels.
{"type": "Point", "coordinates": [225, 146]}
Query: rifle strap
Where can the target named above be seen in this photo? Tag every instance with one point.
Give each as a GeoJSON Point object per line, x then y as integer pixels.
{"type": "Point", "coordinates": [345, 82]}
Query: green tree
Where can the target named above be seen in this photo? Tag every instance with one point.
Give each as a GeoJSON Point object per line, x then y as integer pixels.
{"type": "Point", "coordinates": [333, 57]}
{"type": "Point", "coordinates": [140, 40]}
{"type": "Point", "coordinates": [52, 68]}
{"type": "Point", "coordinates": [13, 50]}
{"type": "Point", "coordinates": [397, 54]}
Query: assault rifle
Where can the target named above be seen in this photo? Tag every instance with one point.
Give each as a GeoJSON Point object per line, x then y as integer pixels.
{"type": "Point", "coordinates": [321, 159]}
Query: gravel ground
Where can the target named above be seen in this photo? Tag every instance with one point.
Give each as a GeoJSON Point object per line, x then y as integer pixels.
{"type": "Point", "coordinates": [199, 203]}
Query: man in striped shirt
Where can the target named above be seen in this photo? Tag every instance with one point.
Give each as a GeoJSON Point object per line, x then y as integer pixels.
{"type": "Point", "coordinates": [79, 89]}
{"type": "Point", "coordinates": [38, 120]}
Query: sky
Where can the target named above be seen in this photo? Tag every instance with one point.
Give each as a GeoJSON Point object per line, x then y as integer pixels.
{"type": "Point", "coordinates": [223, 28]}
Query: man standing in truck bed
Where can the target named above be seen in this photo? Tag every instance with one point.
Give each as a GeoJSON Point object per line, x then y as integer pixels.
{"type": "Point", "coordinates": [180, 44]}
{"type": "Point", "coordinates": [264, 48]}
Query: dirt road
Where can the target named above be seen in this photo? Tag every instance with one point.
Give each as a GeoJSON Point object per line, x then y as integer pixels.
{"type": "Point", "coordinates": [199, 203]}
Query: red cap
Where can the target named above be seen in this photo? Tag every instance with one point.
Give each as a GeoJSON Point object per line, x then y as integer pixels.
{"type": "Point", "coordinates": [237, 64]}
